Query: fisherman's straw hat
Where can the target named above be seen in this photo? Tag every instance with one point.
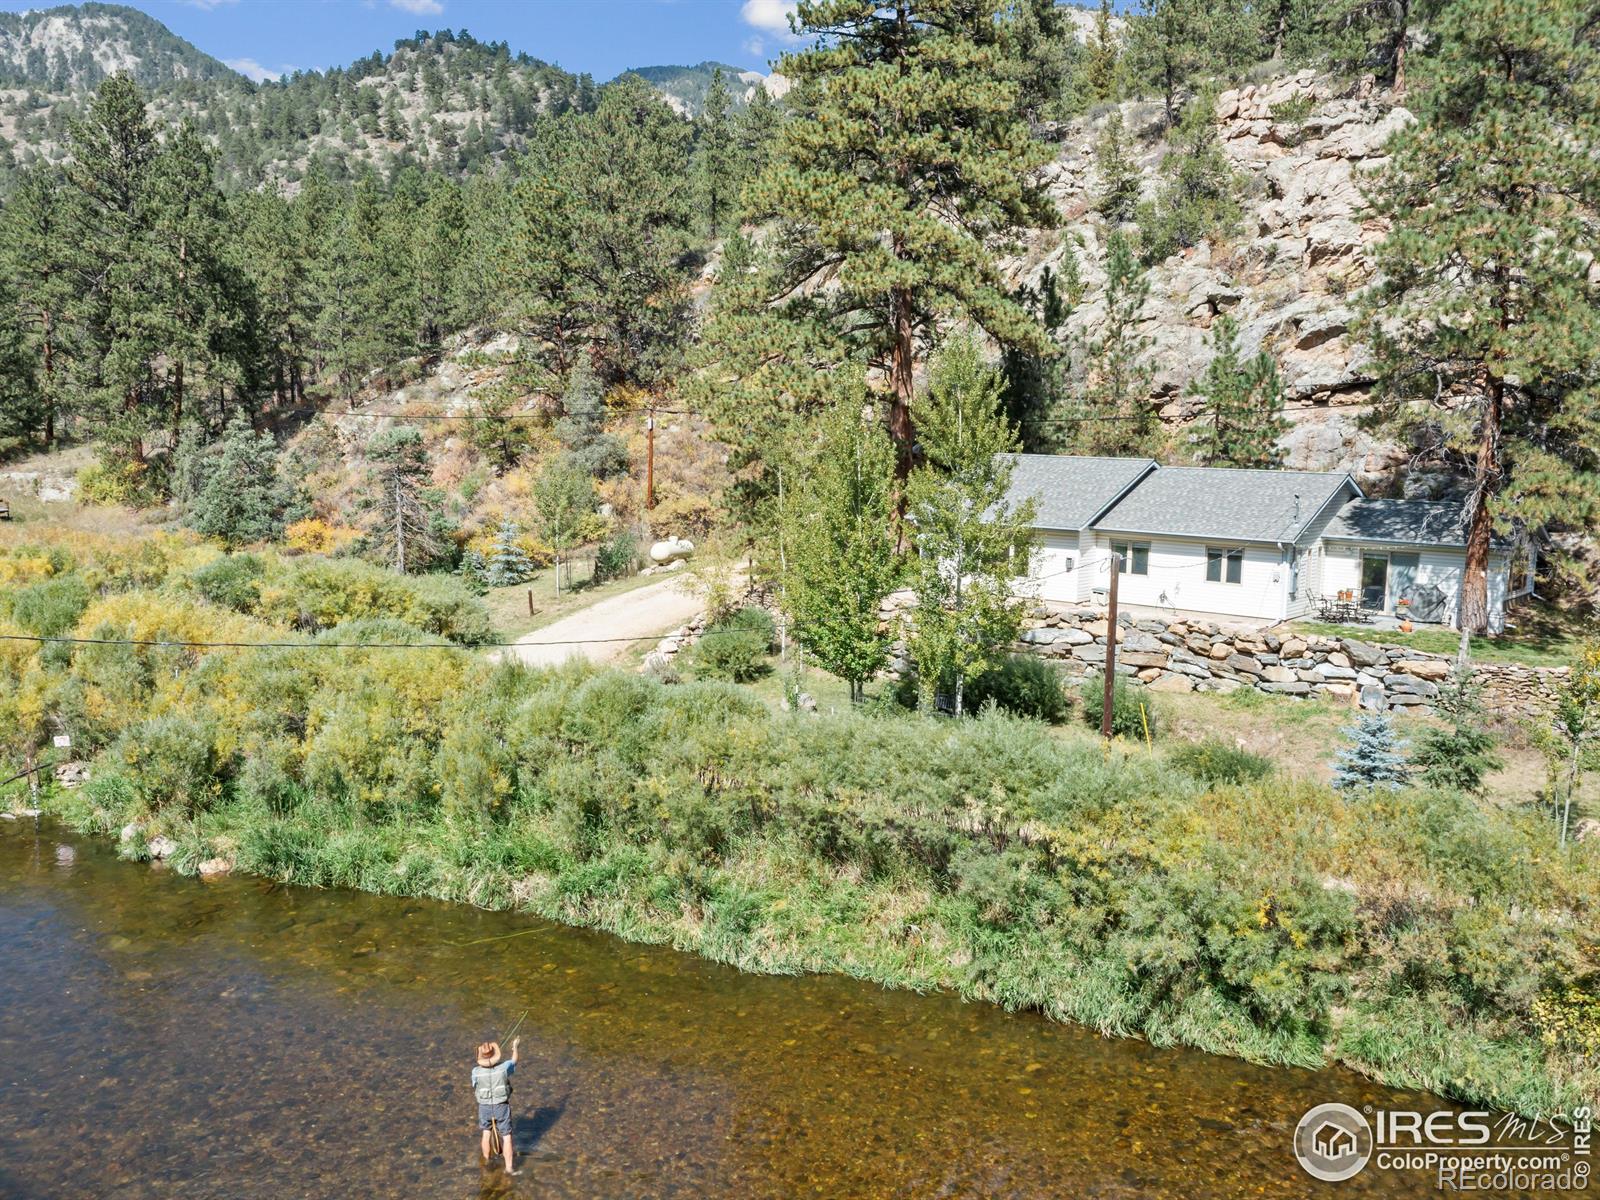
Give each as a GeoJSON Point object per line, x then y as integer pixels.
{"type": "Point", "coordinates": [488, 1054]}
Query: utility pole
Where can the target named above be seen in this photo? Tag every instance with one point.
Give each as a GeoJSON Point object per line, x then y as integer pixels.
{"type": "Point", "coordinates": [1111, 647]}
{"type": "Point", "coordinates": [650, 460]}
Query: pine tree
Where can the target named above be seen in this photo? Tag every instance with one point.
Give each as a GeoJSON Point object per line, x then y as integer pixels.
{"type": "Point", "coordinates": [1485, 324]}
{"type": "Point", "coordinates": [1102, 59]}
{"type": "Point", "coordinates": [581, 428]}
{"type": "Point", "coordinates": [1116, 416]}
{"type": "Point", "coordinates": [758, 131]}
{"type": "Point", "coordinates": [1118, 197]}
{"type": "Point", "coordinates": [601, 217]}
{"type": "Point", "coordinates": [507, 563]}
{"type": "Point", "coordinates": [1243, 415]}
{"type": "Point", "coordinates": [1035, 383]}
{"type": "Point", "coordinates": [1373, 759]}
{"type": "Point", "coordinates": [839, 558]}
{"type": "Point", "coordinates": [405, 532]}
{"type": "Point", "coordinates": [113, 148]}
{"type": "Point", "coordinates": [1199, 198]}
{"type": "Point", "coordinates": [243, 496]}
{"type": "Point", "coordinates": [23, 413]}
{"type": "Point", "coordinates": [718, 168]}
{"type": "Point", "coordinates": [906, 164]}
{"type": "Point", "coordinates": [36, 256]}
{"type": "Point", "coordinates": [972, 543]}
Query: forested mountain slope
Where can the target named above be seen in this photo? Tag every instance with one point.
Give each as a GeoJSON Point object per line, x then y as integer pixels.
{"type": "Point", "coordinates": [443, 101]}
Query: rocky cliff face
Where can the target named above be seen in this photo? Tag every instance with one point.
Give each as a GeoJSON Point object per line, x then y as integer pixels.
{"type": "Point", "coordinates": [1287, 276]}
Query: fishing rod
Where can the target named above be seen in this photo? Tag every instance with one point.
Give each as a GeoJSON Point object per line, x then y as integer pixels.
{"type": "Point", "coordinates": [506, 1038]}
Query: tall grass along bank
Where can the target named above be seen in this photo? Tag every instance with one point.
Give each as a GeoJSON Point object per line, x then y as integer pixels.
{"type": "Point", "coordinates": [1422, 936]}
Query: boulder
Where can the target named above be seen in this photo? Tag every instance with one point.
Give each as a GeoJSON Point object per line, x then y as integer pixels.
{"type": "Point", "coordinates": [1244, 663]}
{"type": "Point", "coordinates": [1136, 658]}
{"type": "Point", "coordinates": [1331, 670]}
{"type": "Point", "coordinates": [161, 847]}
{"type": "Point", "coordinates": [214, 867]}
{"type": "Point", "coordinates": [1141, 640]}
{"type": "Point", "coordinates": [1173, 683]}
{"type": "Point", "coordinates": [1295, 688]}
{"type": "Point", "coordinates": [1424, 668]}
{"type": "Point", "coordinates": [1277, 674]}
{"type": "Point", "coordinates": [1292, 647]}
{"type": "Point", "coordinates": [1372, 698]}
{"type": "Point", "coordinates": [1361, 654]}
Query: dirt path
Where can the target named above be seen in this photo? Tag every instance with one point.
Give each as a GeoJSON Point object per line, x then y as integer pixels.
{"type": "Point", "coordinates": [643, 613]}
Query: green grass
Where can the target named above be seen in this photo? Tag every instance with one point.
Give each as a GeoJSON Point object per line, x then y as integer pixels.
{"type": "Point", "coordinates": [1547, 640]}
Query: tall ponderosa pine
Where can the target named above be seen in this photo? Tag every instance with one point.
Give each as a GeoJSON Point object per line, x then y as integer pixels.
{"type": "Point", "coordinates": [719, 169]}
{"type": "Point", "coordinates": [35, 255]}
{"type": "Point", "coordinates": [839, 557]}
{"type": "Point", "coordinates": [905, 164]}
{"type": "Point", "coordinates": [601, 218]}
{"type": "Point", "coordinates": [1243, 415]}
{"type": "Point", "coordinates": [1485, 324]}
{"type": "Point", "coordinates": [972, 542]}
{"type": "Point", "coordinates": [1115, 415]}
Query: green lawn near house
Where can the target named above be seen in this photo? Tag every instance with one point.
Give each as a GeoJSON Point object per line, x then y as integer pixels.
{"type": "Point", "coordinates": [1543, 638]}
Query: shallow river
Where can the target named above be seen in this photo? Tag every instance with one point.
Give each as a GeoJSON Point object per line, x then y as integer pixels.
{"type": "Point", "coordinates": [160, 1036]}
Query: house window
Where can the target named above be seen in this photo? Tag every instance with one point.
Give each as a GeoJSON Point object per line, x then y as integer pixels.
{"type": "Point", "coordinates": [1134, 556]}
{"type": "Point", "coordinates": [1224, 565]}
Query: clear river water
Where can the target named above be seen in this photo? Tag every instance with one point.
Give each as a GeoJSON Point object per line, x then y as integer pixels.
{"type": "Point", "coordinates": [162, 1036]}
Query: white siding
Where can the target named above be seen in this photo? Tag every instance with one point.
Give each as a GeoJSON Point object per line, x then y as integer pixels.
{"type": "Point", "coordinates": [1341, 569]}
{"type": "Point", "coordinates": [1177, 579]}
{"type": "Point", "coordinates": [1310, 550]}
{"type": "Point", "coordinates": [1054, 571]}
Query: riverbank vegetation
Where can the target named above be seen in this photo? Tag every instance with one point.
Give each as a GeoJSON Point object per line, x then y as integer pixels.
{"type": "Point", "coordinates": [1422, 935]}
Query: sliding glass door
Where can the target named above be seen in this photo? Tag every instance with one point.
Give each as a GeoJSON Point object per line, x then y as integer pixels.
{"type": "Point", "coordinates": [1374, 581]}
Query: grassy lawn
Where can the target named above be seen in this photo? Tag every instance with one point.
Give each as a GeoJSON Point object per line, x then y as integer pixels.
{"type": "Point", "coordinates": [1544, 638]}
{"type": "Point", "coordinates": [508, 606]}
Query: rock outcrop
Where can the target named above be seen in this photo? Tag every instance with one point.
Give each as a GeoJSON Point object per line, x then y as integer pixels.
{"type": "Point", "coordinates": [1287, 275]}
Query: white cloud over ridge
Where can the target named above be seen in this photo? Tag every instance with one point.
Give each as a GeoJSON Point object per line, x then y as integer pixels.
{"type": "Point", "coordinates": [420, 8]}
{"type": "Point", "coordinates": [769, 16]}
{"type": "Point", "coordinates": [251, 69]}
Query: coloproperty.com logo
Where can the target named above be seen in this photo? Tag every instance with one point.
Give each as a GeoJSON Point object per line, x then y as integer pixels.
{"type": "Point", "coordinates": [1481, 1152]}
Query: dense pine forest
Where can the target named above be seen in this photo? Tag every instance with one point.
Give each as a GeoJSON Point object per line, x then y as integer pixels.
{"type": "Point", "coordinates": [186, 253]}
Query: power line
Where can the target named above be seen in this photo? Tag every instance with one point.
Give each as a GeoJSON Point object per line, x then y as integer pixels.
{"type": "Point", "coordinates": [522, 416]}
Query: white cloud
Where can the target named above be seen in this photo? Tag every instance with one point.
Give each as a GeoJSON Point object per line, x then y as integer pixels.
{"type": "Point", "coordinates": [251, 69]}
{"type": "Point", "coordinates": [208, 5]}
{"type": "Point", "coordinates": [769, 16]}
{"type": "Point", "coordinates": [754, 47]}
{"type": "Point", "coordinates": [420, 8]}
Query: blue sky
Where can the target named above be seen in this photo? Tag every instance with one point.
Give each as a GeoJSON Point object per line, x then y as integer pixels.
{"type": "Point", "coordinates": [603, 37]}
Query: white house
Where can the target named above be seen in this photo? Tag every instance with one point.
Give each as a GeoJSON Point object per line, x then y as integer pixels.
{"type": "Point", "coordinates": [1257, 544]}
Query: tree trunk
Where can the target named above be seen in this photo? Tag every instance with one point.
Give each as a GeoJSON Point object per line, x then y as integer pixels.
{"type": "Point", "coordinates": [902, 376]}
{"type": "Point", "coordinates": [1474, 614]}
{"type": "Point", "coordinates": [399, 526]}
{"type": "Point", "coordinates": [1397, 51]}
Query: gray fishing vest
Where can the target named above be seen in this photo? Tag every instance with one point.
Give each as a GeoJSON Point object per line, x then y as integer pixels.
{"type": "Point", "coordinates": [490, 1085]}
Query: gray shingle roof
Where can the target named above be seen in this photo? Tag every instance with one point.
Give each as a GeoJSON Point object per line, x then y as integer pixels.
{"type": "Point", "coordinates": [1224, 502]}
{"type": "Point", "coordinates": [1408, 522]}
{"type": "Point", "coordinates": [1072, 490]}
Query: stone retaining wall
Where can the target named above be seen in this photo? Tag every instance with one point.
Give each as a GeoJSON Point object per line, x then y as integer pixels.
{"type": "Point", "coordinates": [1194, 655]}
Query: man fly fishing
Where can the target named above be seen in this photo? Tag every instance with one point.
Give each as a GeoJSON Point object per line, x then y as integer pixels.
{"type": "Point", "coordinates": [491, 1086]}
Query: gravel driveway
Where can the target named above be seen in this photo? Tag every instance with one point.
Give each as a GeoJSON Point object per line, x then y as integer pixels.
{"type": "Point", "coordinates": [642, 614]}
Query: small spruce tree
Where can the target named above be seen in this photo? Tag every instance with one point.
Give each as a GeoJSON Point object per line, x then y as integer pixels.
{"type": "Point", "coordinates": [1119, 174]}
{"type": "Point", "coordinates": [507, 563]}
{"type": "Point", "coordinates": [1373, 759]}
